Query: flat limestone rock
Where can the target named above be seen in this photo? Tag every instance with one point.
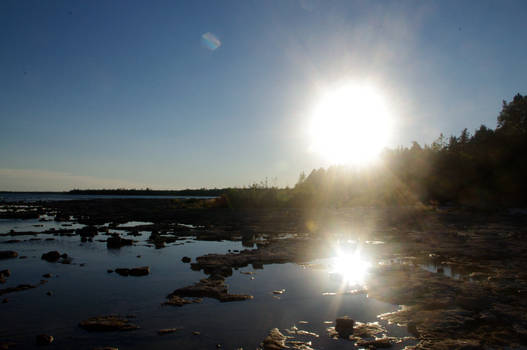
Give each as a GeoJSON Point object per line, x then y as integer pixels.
{"type": "Point", "coordinates": [107, 324]}
{"type": "Point", "coordinates": [274, 341]}
{"type": "Point", "coordinates": [175, 300]}
{"type": "Point", "coordinates": [212, 287]}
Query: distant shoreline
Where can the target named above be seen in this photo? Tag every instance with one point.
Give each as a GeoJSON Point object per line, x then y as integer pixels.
{"type": "Point", "coordinates": [186, 192]}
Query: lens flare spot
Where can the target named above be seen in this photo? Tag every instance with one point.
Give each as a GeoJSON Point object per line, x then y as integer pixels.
{"type": "Point", "coordinates": [210, 41]}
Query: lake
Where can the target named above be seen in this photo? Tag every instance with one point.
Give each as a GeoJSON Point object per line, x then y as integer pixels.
{"type": "Point", "coordinates": [83, 289]}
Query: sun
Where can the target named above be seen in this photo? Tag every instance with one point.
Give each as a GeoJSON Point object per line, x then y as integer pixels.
{"type": "Point", "coordinates": [350, 124]}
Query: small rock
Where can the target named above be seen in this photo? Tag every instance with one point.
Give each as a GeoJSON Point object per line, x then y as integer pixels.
{"type": "Point", "coordinates": [8, 254]}
{"type": "Point", "coordinates": [186, 259]}
{"type": "Point", "coordinates": [344, 326]}
{"type": "Point", "coordinates": [49, 293]}
{"type": "Point", "coordinates": [136, 271]}
{"type": "Point", "coordinates": [5, 301]}
{"type": "Point", "coordinates": [44, 339]}
{"type": "Point", "coordinates": [107, 323]}
{"type": "Point", "coordinates": [116, 242]}
{"type": "Point", "coordinates": [47, 275]}
{"type": "Point", "coordinates": [52, 256]}
{"type": "Point", "coordinates": [167, 331]}
{"type": "Point", "coordinates": [109, 270]}
{"type": "Point", "coordinates": [196, 333]}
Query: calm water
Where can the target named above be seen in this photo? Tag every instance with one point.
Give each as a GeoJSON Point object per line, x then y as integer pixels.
{"type": "Point", "coordinates": [80, 292]}
{"type": "Point", "coordinates": [34, 197]}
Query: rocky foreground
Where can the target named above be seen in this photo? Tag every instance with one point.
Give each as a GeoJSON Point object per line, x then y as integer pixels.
{"type": "Point", "coordinates": [474, 297]}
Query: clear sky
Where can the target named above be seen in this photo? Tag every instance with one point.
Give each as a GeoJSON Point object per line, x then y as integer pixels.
{"type": "Point", "coordinates": [130, 94]}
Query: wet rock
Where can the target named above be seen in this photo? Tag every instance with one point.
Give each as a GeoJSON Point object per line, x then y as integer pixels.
{"type": "Point", "coordinates": [47, 275]}
{"type": "Point", "coordinates": [8, 254]}
{"type": "Point", "coordinates": [367, 330]}
{"type": "Point", "coordinates": [175, 300]}
{"type": "Point", "coordinates": [212, 287]}
{"type": "Point", "coordinates": [385, 342]}
{"type": "Point", "coordinates": [186, 259]}
{"type": "Point", "coordinates": [109, 270]}
{"type": "Point", "coordinates": [165, 331]}
{"type": "Point", "coordinates": [52, 256]}
{"type": "Point", "coordinates": [13, 241]}
{"type": "Point", "coordinates": [49, 293]}
{"type": "Point", "coordinates": [116, 242]}
{"type": "Point", "coordinates": [344, 326]}
{"type": "Point", "coordinates": [107, 323]}
{"type": "Point", "coordinates": [274, 341]}
{"type": "Point", "coordinates": [87, 231]}
{"type": "Point", "coordinates": [44, 339]}
{"type": "Point", "coordinates": [5, 301]}
{"type": "Point", "coordinates": [136, 271]}
{"type": "Point", "coordinates": [19, 288]}
{"type": "Point", "coordinates": [122, 271]}
{"type": "Point", "coordinates": [3, 275]}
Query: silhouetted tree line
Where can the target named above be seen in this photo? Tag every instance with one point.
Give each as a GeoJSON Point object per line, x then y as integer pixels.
{"type": "Point", "coordinates": [484, 169]}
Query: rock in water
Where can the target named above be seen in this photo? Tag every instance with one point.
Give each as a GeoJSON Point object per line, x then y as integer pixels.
{"type": "Point", "coordinates": [344, 326]}
{"type": "Point", "coordinates": [116, 242]}
{"type": "Point", "coordinates": [7, 254]}
{"type": "Point", "coordinates": [44, 339]}
{"type": "Point", "coordinates": [135, 271]}
{"type": "Point", "coordinates": [107, 323]}
{"type": "Point", "coordinates": [274, 341]}
{"type": "Point", "coordinates": [186, 259]}
{"type": "Point", "coordinates": [140, 271]}
{"type": "Point", "coordinates": [52, 256]}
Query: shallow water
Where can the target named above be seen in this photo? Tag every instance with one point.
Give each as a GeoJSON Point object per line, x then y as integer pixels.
{"type": "Point", "coordinates": [80, 292]}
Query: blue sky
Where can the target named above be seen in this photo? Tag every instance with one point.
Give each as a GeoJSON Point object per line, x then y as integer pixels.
{"type": "Point", "coordinates": [125, 93]}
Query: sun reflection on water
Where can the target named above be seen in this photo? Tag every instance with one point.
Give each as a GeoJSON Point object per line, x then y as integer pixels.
{"type": "Point", "coordinates": [350, 266]}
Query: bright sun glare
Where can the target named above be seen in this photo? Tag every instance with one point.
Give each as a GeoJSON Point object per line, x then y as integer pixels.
{"type": "Point", "coordinates": [350, 266]}
{"type": "Point", "coordinates": [351, 124]}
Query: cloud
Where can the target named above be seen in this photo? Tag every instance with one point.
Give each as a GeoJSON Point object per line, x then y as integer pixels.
{"type": "Point", "coordinates": [45, 180]}
{"type": "Point", "coordinates": [210, 41]}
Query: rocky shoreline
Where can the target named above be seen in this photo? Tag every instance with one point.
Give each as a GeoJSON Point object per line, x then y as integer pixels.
{"type": "Point", "coordinates": [482, 303]}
